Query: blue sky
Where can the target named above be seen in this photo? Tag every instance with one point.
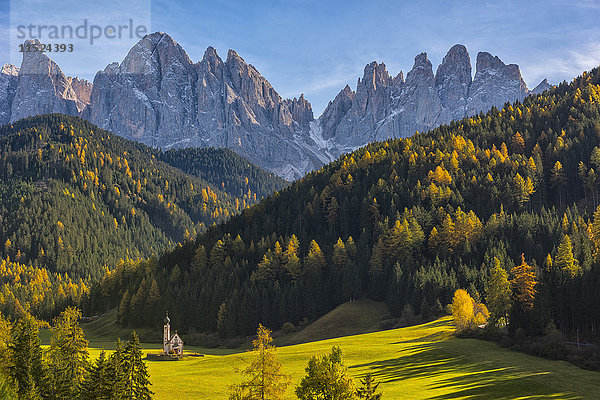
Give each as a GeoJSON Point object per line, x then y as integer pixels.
{"type": "Point", "coordinates": [317, 47]}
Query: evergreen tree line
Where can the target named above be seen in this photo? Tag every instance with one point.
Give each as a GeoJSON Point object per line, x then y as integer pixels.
{"type": "Point", "coordinates": [226, 170]}
{"type": "Point", "coordinates": [63, 370]}
{"type": "Point", "coordinates": [408, 221]}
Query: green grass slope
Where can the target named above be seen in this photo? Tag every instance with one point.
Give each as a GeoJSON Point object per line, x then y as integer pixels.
{"type": "Point", "coordinates": [419, 362]}
{"type": "Point", "coordinates": [351, 318]}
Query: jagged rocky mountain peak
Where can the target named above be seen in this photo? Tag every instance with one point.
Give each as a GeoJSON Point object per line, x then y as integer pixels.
{"type": "Point", "coordinates": [211, 55]}
{"type": "Point", "coordinates": [9, 69]}
{"type": "Point", "coordinates": [542, 86]}
{"type": "Point", "coordinates": [153, 52]}
{"type": "Point", "coordinates": [487, 61]}
{"type": "Point", "coordinates": [398, 79]}
{"type": "Point", "coordinates": [347, 90]}
{"type": "Point", "coordinates": [456, 62]}
{"type": "Point", "coordinates": [453, 80]}
{"type": "Point", "coordinates": [375, 75]}
{"type": "Point", "coordinates": [421, 70]}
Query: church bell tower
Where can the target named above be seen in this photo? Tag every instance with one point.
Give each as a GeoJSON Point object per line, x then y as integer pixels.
{"type": "Point", "coordinates": [167, 334]}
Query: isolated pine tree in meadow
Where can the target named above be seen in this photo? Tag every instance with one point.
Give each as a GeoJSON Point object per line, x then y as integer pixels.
{"type": "Point", "coordinates": [265, 380]}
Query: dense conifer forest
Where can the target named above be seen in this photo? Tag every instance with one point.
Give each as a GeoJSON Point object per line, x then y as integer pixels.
{"type": "Point", "coordinates": [76, 201]}
{"type": "Point", "coordinates": [408, 221]}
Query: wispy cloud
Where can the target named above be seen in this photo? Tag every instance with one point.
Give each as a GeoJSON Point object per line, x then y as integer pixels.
{"type": "Point", "coordinates": [563, 66]}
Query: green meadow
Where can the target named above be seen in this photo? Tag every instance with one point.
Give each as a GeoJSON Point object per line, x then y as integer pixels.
{"type": "Point", "coordinates": [418, 362]}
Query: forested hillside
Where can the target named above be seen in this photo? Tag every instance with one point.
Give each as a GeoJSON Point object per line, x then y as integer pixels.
{"type": "Point", "coordinates": [408, 221]}
{"type": "Point", "coordinates": [226, 170]}
{"type": "Point", "coordinates": [76, 201]}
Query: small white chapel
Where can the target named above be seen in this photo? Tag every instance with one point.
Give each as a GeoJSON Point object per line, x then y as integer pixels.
{"type": "Point", "coordinates": [171, 344]}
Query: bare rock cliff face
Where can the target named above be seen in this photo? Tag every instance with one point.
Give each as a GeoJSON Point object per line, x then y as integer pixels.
{"type": "Point", "coordinates": [494, 84]}
{"type": "Point", "coordinates": [383, 108]}
{"type": "Point", "coordinates": [541, 87]}
{"type": "Point", "coordinates": [158, 96]}
{"type": "Point", "coordinates": [9, 78]}
{"type": "Point", "coordinates": [42, 88]}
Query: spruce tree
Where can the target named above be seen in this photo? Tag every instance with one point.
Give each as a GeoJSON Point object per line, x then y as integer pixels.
{"type": "Point", "coordinates": [98, 384]}
{"type": "Point", "coordinates": [564, 258]}
{"type": "Point", "coordinates": [27, 367]}
{"type": "Point", "coordinates": [498, 294]}
{"type": "Point", "coordinates": [368, 389]}
{"type": "Point", "coordinates": [137, 383]}
{"type": "Point", "coordinates": [116, 372]}
{"type": "Point", "coordinates": [68, 356]}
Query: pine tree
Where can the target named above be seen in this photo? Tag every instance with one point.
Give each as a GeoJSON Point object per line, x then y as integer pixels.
{"type": "Point", "coordinates": [326, 378]}
{"type": "Point", "coordinates": [199, 261]}
{"type": "Point", "coordinates": [594, 233]}
{"type": "Point", "coordinates": [26, 367]}
{"type": "Point", "coordinates": [68, 355]}
{"type": "Point", "coordinates": [292, 262]}
{"type": "Point", "coordinates": [98, 384]}
{"type": "Point", "coordinates": [368, 391]}
{"type": "Point", "coordinates": [558, 179]}
{"type": "Point", "coordinates": [265, 379]}
{"type": "Point", "coordinates": [564, 258]}
{"type": "Point", "coordinates": [5, 331]}
{"type": "Point", "coordinates": [137, 383]}
{"type": "Point", "coordinates": [116, 372]}
{"type": "Point", "coordinates": [339, 254]}
{"type": "Point", "coordinates": [315, 260]}
{"type": "Point", "coordinates": [498, 293]}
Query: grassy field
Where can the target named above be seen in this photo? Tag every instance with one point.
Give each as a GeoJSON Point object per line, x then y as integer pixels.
{"type": "Point", "coordinates": [420, 362]}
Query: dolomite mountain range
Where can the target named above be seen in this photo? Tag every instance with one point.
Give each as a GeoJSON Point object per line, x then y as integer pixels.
{"type": "Point", "coordinates": [158, 96]}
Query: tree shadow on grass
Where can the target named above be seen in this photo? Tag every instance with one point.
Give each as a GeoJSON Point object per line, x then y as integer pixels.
{"type": "Point", "coordinates": [457, 377]}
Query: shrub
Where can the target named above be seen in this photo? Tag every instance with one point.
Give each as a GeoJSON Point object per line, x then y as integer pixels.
{"type": "Point", "coordinates": [288, 327]}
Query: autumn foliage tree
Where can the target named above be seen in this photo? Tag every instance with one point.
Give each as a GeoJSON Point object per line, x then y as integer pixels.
{"type": "Point", "coordinates": [265, 379]}
{"type": "Point", "coordinates": [467, 313]}
{"type": "Point", "coordinates": [523, 284]}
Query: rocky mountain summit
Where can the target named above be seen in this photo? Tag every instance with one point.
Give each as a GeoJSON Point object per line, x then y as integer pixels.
{"type": "Point", "coordinates": [40, 87]}
{"type": "Point", "coordinates": [384, 107]}
{"type": "Point", "coordinates": [541, 87]}
{"type": "Point", "coordinates": [160, 97]}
